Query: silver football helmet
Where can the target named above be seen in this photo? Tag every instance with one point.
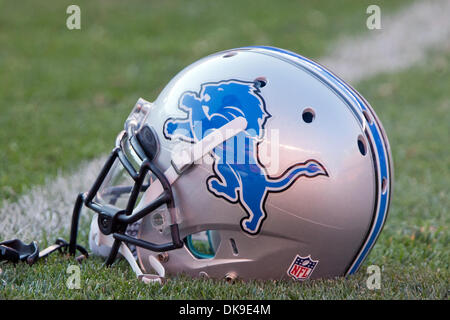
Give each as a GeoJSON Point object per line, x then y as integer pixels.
{"type": "Point", "coordinates": [252, 163]}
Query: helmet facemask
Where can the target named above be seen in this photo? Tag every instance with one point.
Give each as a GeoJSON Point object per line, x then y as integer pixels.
{"type": "Point", "coordinates": [130, 186]}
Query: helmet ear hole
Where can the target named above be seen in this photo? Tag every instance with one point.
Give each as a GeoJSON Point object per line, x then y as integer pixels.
{"type": "Point", "coordinates": [367, 116]}
{"type": "Point", "coordinates": [260, 82]}
{"type": "Point", "coordinates": [383, 185]}
{"type": "Point", "coordinates": [229, 54]}
{"type": "Point", "coordinates": [362, 145]}
{"type": "Point", "coordinates": [234, 247]}
{"type": "Point", "coordinates": [308, 115]}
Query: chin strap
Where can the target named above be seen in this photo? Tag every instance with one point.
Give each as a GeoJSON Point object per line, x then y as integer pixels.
{"type": "Point", "coordinates": [15, 251]}
{"type": "Point", "coordinates": [102, 244]}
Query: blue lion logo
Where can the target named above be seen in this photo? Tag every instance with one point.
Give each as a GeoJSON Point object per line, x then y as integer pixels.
{"type": "Point", "coordinates": [239, 176]}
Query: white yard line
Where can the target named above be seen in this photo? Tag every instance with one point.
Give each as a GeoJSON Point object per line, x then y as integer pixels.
{"type": "Point", "coordinates": [403, 41]}
{"type": "Point", "coordinates": [47, 208]}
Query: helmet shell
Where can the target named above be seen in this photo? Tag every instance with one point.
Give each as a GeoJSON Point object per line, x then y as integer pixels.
{"type": "Point", "coordinates": [334, 217]}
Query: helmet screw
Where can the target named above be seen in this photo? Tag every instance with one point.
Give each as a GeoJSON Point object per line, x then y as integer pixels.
{"type": "Point", "coordinates": [230, 277]}
{"type": "Point", "coordinates": [163, 257]}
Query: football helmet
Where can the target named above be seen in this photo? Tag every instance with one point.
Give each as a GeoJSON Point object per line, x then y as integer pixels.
{"type": "Point", "coordinates": [252, 163]}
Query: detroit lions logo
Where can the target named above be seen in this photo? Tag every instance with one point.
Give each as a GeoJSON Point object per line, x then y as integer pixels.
{"type": "Point", "coordinates": [239, 176]}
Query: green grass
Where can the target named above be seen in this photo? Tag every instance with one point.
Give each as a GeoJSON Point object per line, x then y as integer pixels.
{"type": "Point", "coordinates": [64, 95]}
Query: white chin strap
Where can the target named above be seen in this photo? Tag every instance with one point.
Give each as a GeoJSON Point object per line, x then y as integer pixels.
{"type": "Point", "coordinates": [182, 158]}
{"type": "Point", "coordinates": [101, 245]}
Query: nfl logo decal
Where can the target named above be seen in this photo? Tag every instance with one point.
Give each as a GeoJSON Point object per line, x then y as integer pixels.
{"type": "Point", "coordinates": [302, 267]}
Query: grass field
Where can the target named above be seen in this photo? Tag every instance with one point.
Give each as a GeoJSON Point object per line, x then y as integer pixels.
{"type": "Point", "coordinates": [64, 96]}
